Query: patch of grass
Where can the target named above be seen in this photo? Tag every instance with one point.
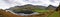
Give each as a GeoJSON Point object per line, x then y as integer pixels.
{"type": "Point", "coordinates": [41, 10]}
{"type": "Point", "coordinates": [55, 14]}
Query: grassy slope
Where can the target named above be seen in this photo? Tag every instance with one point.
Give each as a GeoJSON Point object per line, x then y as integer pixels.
{"type": "Point", "coordinates": [55, 14]}
{"type": "Point", "coordinates": [38, 10]}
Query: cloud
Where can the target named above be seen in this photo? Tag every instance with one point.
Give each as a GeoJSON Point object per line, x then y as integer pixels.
{"type": "Point", "coordinates": [4, 5]}
{"type": "Point", "coordinates": [54, 3]}
{"type": "Point", "coordinates": [10, 3]}
{"type": "Point", "coordinates": [36, 2]}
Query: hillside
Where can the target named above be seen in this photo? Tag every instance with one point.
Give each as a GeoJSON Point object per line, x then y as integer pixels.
{"type": "Point", "coordinates": [3, 13]}
{"type": "Point", "coordinates": [30, 8]}
{"type": "Point", "coordinates": [51, 7]}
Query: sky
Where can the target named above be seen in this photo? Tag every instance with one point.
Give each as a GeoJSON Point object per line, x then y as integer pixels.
{"type": "Point", "coordinates": [5, 4]}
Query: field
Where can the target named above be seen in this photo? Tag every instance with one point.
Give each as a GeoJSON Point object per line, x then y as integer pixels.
{"type": "Point", "coordinates": [55, 14]}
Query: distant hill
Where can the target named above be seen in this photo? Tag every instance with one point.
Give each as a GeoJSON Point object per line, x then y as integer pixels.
{"type": "Point", "coordinates": [28, 6]}
{"type": "Point", "coordinates": [31, 7]}
{"type": "Point", "coordinates": [51, 7]}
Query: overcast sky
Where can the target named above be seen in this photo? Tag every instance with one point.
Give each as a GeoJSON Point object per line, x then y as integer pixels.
{"type": "Point", "coordinates": [4, 4]}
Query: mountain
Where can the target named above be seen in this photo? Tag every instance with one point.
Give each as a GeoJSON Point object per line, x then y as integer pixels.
{"type": "Point", "coordinates": [51, 7]}
{"type": "Point", "coordinates": [28, 6]}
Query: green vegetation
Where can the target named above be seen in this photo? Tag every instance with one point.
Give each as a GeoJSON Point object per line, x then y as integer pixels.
{"type": "Point", "coordinates": [41, 10]}
{"type": "Point", "coordinates": [35, 9]}
{"type": "Point", "coordinates": [55, 14]}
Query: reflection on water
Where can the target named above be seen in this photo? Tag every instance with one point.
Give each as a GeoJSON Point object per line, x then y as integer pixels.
{"type": "Point", "coordinates": [22, 14]}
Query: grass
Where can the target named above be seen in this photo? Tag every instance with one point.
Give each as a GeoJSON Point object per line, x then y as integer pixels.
{"type": "Point", "coordinates": [7, 14]}
{"type": "Point", "coordinates": [55, 14]}
{"type": "Point", "coordinates": [41, 10]}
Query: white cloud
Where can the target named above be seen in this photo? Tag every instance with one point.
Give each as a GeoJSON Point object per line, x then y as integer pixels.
{"type": "Point", "coordinates": [54, 3]}
{"type": "Point", "coordinates": [4, 5]}
{"type": "Point", "coordinates": [10, 3]}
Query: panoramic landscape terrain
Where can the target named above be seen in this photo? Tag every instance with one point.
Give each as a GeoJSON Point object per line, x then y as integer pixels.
{"type": "Point", "coordinates": [29, 8]}
{"type": "Point", "coordinates": [31, 11]}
